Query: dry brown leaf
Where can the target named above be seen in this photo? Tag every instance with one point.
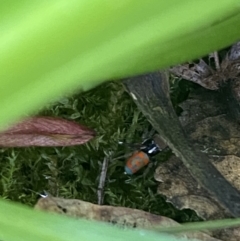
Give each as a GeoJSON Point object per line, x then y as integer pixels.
{"type": "Point", "coordinates": [229, 166]}
{"type": "Point", "coordinates": [199, 73]}
{"type": "Point", "coordinates": [183, 191]}
{"type": "Point", "coordinates": [124, 217]}
{"type": "Point", "coordinates": [203, 74]}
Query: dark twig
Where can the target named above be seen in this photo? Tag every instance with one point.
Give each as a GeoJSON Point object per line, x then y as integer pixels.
{"type": "Point", "coordinates": [102, 180]}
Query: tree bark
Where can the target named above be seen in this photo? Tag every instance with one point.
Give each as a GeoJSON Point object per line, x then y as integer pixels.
{"type": "Point", "coordinates": [151, 94]}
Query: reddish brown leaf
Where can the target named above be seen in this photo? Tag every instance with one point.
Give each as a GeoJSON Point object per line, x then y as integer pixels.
{"type": "Point", "coordinates": [46, 131]}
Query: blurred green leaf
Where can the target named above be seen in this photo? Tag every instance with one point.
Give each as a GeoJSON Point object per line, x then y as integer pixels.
{"type": "Point", "coordinates": [30, 225]}
{"type": "Point", "coordinates": [50, 48]}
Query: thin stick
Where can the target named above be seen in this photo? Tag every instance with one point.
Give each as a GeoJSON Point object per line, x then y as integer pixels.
{"type": "Point", "coordinates": [216, 60]}
{"type": "Point", "coordinates": [102, 180]}
{"type": "Point", "coordinates": [38, 193]}
{"type": "Point", "coordinates": [123, 156]}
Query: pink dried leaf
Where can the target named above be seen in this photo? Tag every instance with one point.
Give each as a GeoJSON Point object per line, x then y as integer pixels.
{"type": "Point", "coordinates": [46, 131]}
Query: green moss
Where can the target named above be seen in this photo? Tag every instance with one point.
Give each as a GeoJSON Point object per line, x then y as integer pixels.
{"type": "Point", "coordinates": [73, 172]}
